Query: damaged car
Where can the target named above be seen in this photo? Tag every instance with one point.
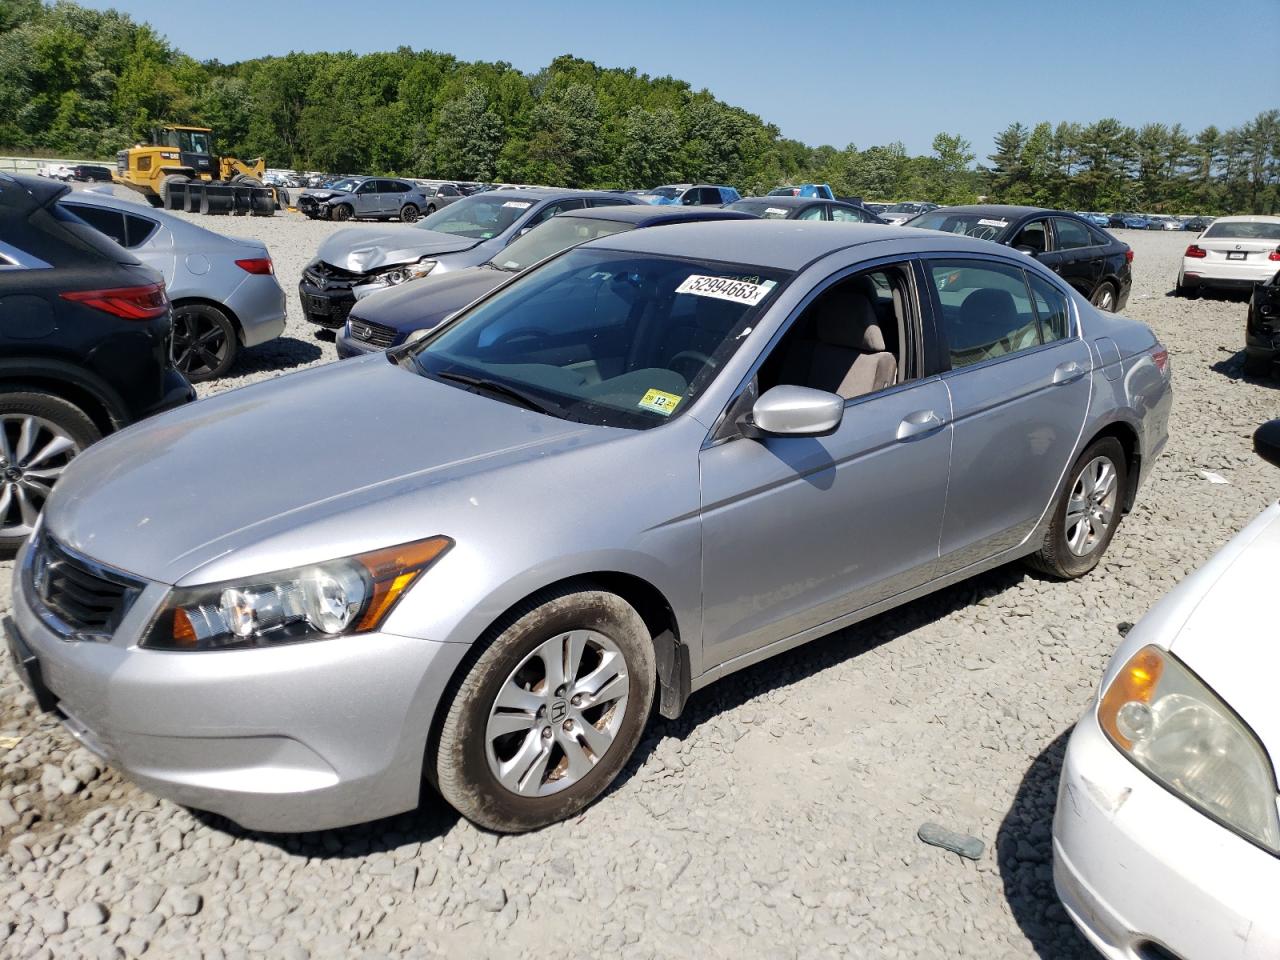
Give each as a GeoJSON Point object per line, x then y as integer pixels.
{"type": "Point", "coordinates": [367, 198]}
{"type": "Point", "coordinates": [358, 261]}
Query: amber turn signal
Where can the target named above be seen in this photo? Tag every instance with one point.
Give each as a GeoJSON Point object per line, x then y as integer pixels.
{"type": "Point", "coordinates": [1135, 683]}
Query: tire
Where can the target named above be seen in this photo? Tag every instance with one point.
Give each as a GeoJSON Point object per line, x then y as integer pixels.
{"type": "Point", "coordinates": [166, 185]}
{"type": "Point", "coordinates": [431, 208]}
{"type": "Point", "coordinates": [341, 212]}
{"type": "Point", "coordinates": [1258, 366]}
{"type": "Point", "coordinates": [409, 213]}
{"type": "Point", "coordinates": [203, 343]}
{"type": "Point", "coordinates": [26, 480]}
{"type": "Point", "coordinates": [1056, 556]}
{"type": "Point", "coordinates": [1104, 297]}
{"type": "Point", "coordinates": [245, 180]}
{"type": "Point", "coordinates": [467, 764]}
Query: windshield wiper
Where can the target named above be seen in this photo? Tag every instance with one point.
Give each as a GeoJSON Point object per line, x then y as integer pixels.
{"type": "Point", "coordinates": [526, 400]}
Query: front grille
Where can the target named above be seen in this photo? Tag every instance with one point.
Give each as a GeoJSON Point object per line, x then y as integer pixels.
{"type": "Point", "coordinates": [328, 277]}
{"type": "Point", "coordinates": [84, 596]}
{"type": "Point", "coordinates": [374, 334]}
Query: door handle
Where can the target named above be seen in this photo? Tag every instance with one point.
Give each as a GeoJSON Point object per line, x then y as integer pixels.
{"type": "Point", "coordinates": [1068, 372]}
{"type": "Point", "coordinates": [919, 424]}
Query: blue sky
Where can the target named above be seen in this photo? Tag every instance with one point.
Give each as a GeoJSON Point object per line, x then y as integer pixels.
{"type": "Point", "coordinates": [825, 72]}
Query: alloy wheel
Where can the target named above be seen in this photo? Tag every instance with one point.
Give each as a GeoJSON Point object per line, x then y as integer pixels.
{"type": "Point", "coordinates": [33, 453]}
{"type": "Point", "coordinates": [557, 714]}
{"type": "Point", "coordinates": [1106, 300]}
{"type": "Point", "coordinates": [1091, 506]}
{"type": "Point", "coordinates": [197, 345]}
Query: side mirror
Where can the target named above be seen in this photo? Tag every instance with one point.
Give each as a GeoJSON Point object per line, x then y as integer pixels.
{"type": "Point", "coordinates": [791, 411]}
{"type": "Point", "coordinates": [1029, 251]}
{"type": "Point", "coordinates": [1266, 442]}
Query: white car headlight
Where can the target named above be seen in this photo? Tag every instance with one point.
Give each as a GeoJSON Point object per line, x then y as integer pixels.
{"type": "Point", "coordinates": [407, 272]}
{"type": "Point", "coordinates": [348, 595]}
{"type": "Point", "coordinates": [1178, 732]}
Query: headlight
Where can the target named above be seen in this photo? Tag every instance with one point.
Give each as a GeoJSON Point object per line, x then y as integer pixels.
{"type": "Point", "coordinates": [349, 595]}
{"type": "Point", "coordinates": [1177, 731]}
{"type": "Point", "coordinates": [409, 271]}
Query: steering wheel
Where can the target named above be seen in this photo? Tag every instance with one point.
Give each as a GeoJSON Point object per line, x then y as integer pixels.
{"type": "Point", "coordinates": [517, 334]}
{"type": "Point", "coordinates": [692, 355]}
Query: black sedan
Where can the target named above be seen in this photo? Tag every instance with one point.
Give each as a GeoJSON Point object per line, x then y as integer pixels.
{"type": "Point", "coordinates": [1262, 329]}
{"type": "Point", "coordinates": [83, 345]}
{"type": "Point", "coordinates": [804, 208]}
{"type": "Point", "coordinates": [387, 318]}
{"type": "Point", "coordinates": [1087, 257]}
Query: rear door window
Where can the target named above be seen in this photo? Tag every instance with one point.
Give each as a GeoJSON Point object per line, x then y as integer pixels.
{"type": "Point", "coordinates": [847, 214]}
{"type": "Point", "coordinates": [1051, 308]}
{"type": "Point", "coordinates": [812, 213]}
{"type": "Point", "coordinates": [1071, 235]}
{"type": "Point", "coordinates": [986, 309]}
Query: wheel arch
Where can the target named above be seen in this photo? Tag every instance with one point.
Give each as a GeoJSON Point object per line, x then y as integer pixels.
{"type": "Point", "coordinates": [1127, 436]}
{"type": "Point", "coordinates": [95, 397]}
{"type": "Point", "coordinates": [210, 302]}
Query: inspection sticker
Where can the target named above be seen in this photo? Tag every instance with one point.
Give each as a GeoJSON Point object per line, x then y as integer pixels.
{"type": "Point", "coordinates": [659, 401]}
{"type": "Point", "coordinates": [993, 223]}
{"type": "Point", "coordinates": [519, 204]}
{"type": "Point", "coordinates": [726, 288]}
{"type": "Point", "coordinates": [776, 212]}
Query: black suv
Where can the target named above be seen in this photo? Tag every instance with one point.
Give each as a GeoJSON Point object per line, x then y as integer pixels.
{"type": "Point", "coordinates": [83, 331]}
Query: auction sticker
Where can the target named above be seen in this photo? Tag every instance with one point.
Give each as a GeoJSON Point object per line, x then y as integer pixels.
{"type": "Point", "coordinates": [775, 212]}
{"type": "Point", "coordinates": [519, 204]}
{"type": "Point", "coordinates": [659, 401]}
{"type": "Point", "coordinates": [993, 223]}
{"type": "Point", "coordinates": [726, 288]}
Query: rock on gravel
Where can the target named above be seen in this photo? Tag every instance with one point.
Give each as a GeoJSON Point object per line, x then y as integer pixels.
{"type": "Point", "coordinates": [777, 818]}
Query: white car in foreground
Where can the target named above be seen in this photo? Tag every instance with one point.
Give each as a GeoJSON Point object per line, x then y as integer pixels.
{"type": "Point", "coordinates": [1233, 253]}
{"type": "Point", "coordinates": [1166, 840]}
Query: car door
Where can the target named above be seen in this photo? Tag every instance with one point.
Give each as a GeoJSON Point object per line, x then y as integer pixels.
{"type": "Point", "coordinates": [1079, 260]}
{"type": "Point", "coordinates": [1019, 385]}
{"type": "Point", "coordinates": [367, 200]}
{"type": "Point", "coordinates": [798, 531]}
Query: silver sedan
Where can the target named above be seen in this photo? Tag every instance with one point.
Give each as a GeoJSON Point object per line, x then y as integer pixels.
{"type": "Point", "coordinates": [224, 291]}
{"type": "Point", "coordinates": [651, 461]}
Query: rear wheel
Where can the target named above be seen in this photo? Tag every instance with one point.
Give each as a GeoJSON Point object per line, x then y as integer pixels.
{"type": "Point", "coordinates": [1104, 298]}
{"type": "Point", "coordinates": [409, 213]}
{"type": "Point", "coordinates": [431, 208]}
{"type": "Point", "coordinates": [342, 211]}
{"type": "Point", "coordinates": [1086, 514]}
{"type": "Point", "coordinates": [549, 713]}
{"type": "Point", "coordinates": [39, 436]}
{"type": "Point", "coordinates": [203, 343]}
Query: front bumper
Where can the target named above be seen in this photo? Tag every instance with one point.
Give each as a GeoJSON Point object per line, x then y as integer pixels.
{"type": "Point", "coordinates": [326, 306]}
{"type": "Point", "coordinates": [302, 737]}
{"type": "Point", "coordinates": [1135, 866]}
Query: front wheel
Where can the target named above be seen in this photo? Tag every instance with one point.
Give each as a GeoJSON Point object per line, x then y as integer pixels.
{"type": "Point", "coordinates": [1087, 512]}
{"type": "Point", "coordinates": [342, 211]}
{"type": "Point", "coordinates": [549, 713]}
{"type": "Point", "coordinates": [39, 436]}
{"type": "Point", "coordinates": [1104, 298]}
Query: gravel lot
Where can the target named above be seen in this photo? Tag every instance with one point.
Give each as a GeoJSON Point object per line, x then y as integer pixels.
{"type": "Point", "coordinates": [778, 818]}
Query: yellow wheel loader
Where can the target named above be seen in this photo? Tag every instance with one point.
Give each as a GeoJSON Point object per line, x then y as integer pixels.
{"type": "Point", "coordinates": [178, 170]}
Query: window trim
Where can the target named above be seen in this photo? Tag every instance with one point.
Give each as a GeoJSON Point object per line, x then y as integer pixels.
{"type": "Point", "coordinates": [19, 259]}
{"type": "Point", "coordinates": [944, 345]}
{"type": "Point", "coordinates": [723, 429]}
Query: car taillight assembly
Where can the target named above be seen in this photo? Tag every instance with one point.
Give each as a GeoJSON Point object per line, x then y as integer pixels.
{"type": "Point", "coordinates": [257, 265]}
{"type": "Point", "coordinates": [1196, 252]}
{"type": "Point", "coordinates": [1128, 255]}
{"type": "Point", "coordinates": [129, 303]}
{"type": "Point", "coordinates": [1160, 356]}
{"type": "Point", "coordinates": [1274, 255]}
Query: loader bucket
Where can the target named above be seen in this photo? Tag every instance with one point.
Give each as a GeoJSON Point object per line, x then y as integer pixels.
{"type": "Point", "coordinates": [195, 195]}
{"type": "Point", "coordinates": [243, 200]}
{"type": "Point", "coordinates": [219, 198]}
{"type": "Point", "coordinates": [177, 196]}
{"type": "Point", "coordinates": [264, 202]}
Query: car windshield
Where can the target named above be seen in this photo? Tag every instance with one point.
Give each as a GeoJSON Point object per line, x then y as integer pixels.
{"type": "Point", "coordinates": [761, 208]}
{"type": "Point", "coordinates": [783, 192]}
{"type": "Point", "coordinates": [479, 217]}
{"type": "Point", "coordinates": [667, 193]}
{"type": "Point", "coordinates": [558, 233]}
{"type": "Point", "coordinates": [603, 336]}
{"type": "Point", "coordinates": [1245, 230]}
{"type": "Point", "coordinates": [905, 208]}
{"type": "Point", "coordinates": [347, 184]}
{"type": "Point", "coordinates": [984, 226]}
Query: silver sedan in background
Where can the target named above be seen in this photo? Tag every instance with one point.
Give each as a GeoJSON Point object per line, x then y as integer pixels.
{"type": "Point", "coordinates": [224, 291]}
{"type": "Point", "coordinates": [653, 460]}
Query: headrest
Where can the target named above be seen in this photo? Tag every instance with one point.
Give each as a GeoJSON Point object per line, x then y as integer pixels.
{"type": "Point", "coordinates": [988, 303]}
{"type": "Point", "coordinates": [850, 321]}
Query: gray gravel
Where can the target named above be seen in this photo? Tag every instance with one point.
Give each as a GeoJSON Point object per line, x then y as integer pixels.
{"type": "Point", "coordinates": [778, 818]}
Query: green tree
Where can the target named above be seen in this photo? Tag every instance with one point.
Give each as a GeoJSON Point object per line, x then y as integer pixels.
{"type": "Point", "coordinates": [468, 137]}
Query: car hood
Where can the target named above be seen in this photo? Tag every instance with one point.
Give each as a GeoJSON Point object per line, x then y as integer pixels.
{"type": "Point", "coordinates": [1228, 637]}
{"type": "Point", "coordinates": [237, 476]}
{"type": "Point", "coordinates": [422, 304]}
{"type": "Point", "coordinates": [361, 249]}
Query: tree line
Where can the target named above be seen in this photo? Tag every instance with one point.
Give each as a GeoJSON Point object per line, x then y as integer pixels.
{"type": "Point", "coordinates": [86, 83]}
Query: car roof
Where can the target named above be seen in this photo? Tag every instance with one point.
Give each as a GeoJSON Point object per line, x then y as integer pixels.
{"type": "Point", "coordinates": [643, 215]}
{"type": "Point", "coordinates": [787, 200]}
{"type": "Point", "coordinates": [1000, 209]}
{"type": "Point", "coordinates": [784, 244]}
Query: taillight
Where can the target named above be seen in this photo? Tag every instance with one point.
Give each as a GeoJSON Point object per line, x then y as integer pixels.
{"type": "Point", "coordinates": [1160, 356]}
{"type": "Point", "coordinates": [130, 303]}
{"type": "Point", "coordinates": [1195, 252]}
{"type": "Point", "coordinates": [1128, 255]}
{"type": "Point", "coordinates": [256, 265]}
{"type": "Point", "coordinates": [1274, 254]}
